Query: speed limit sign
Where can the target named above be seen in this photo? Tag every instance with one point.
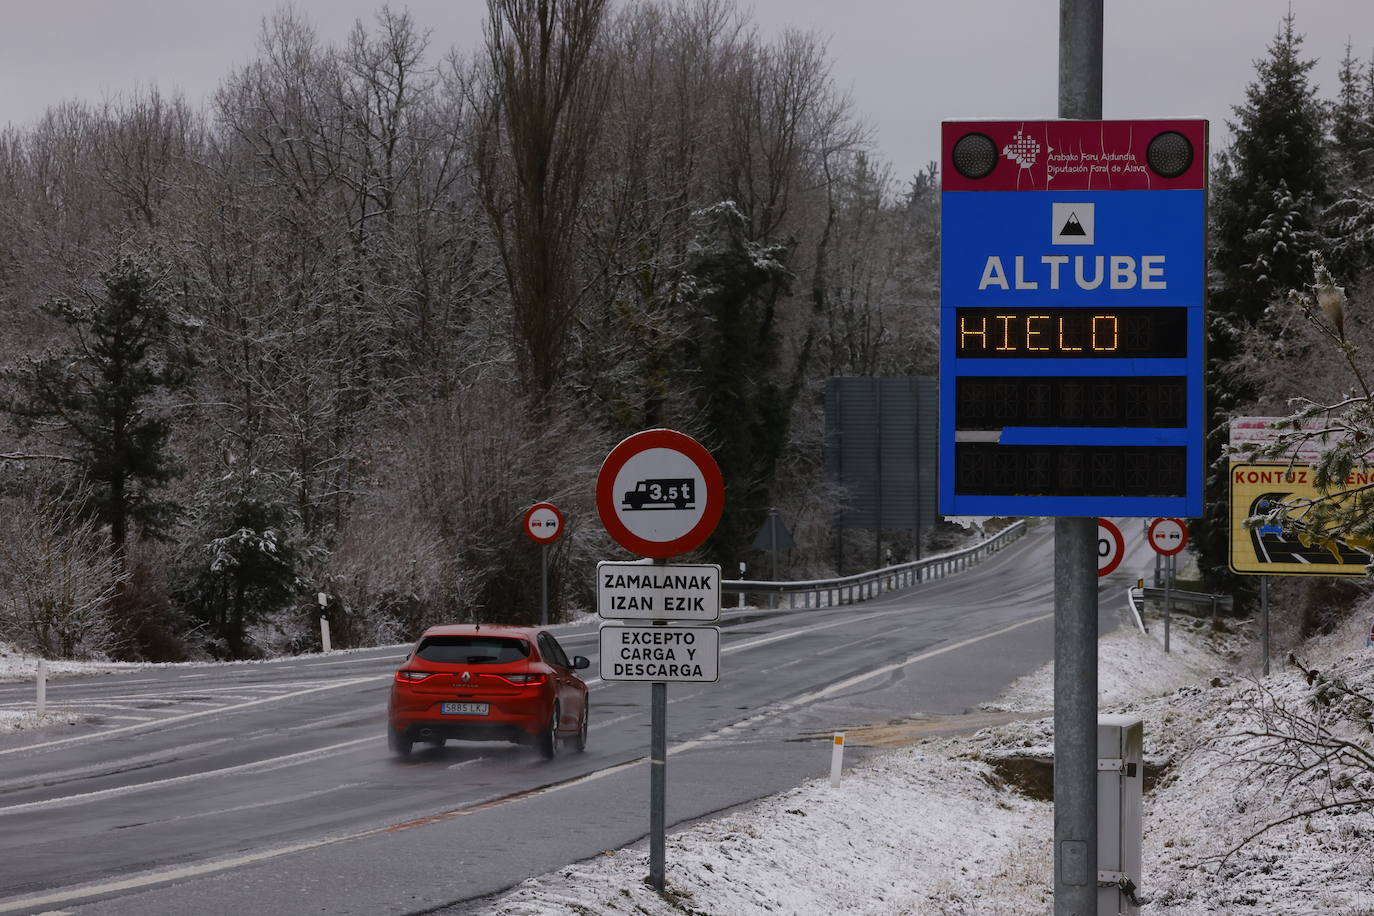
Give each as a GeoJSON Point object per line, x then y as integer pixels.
{"type": "Point", "coordinates": [1111, 547]}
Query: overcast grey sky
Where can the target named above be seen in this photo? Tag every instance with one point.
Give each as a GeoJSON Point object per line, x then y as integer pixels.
{"type": "Point", "coordinates": [908, 63]}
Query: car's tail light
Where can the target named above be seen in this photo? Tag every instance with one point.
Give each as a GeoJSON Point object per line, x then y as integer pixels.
{"type": "Point", "coordinates": [520, 680]}
{"type": "Point", "coordinates": [412, 677]}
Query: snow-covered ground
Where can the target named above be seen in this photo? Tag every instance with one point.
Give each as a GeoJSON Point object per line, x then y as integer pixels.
{"type": "Point", "coordinates": [935, 828]}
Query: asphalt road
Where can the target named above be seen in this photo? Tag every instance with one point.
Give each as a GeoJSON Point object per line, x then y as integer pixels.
{"type": "Point", "coordinates": [254, 788]}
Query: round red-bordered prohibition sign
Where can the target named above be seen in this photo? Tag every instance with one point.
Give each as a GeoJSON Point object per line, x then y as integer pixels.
{"type": "Point", "coordinates": [1111, 547]}
{"type": "Point", "coordinates": [660, 494]}
{"type": "Point", "coordinates": [543, 523]}
{"type": "Point", "coordinates": [1167, 536]}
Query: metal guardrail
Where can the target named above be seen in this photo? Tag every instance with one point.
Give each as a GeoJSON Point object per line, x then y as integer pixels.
{"type": "Point", "coordinates": [1136, 606]}
{"type": "Point", "coordinates": [1212, 602]}
{"type": "Point", "coordinates": [849, 589]}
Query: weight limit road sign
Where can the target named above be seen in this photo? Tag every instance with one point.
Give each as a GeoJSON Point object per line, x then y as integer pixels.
{"type": "Point", "coordinates": [659, 493]}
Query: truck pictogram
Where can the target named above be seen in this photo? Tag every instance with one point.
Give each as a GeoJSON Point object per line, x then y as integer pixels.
{"type": "Point", "coordinates": [661, 493]}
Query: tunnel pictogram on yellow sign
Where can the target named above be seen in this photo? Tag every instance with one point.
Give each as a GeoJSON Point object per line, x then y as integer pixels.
{"type": "Point", "coordinates": [1270, 550]}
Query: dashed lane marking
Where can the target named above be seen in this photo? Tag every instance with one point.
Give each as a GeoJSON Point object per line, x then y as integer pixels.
{"type": "Point", "coordinates": [186, 717]}
{"type": "Point", "coordinates": [257, 766]}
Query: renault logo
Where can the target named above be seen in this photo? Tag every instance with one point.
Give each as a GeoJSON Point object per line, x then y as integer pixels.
{"type": "Point", "coordinates": [467, 676]}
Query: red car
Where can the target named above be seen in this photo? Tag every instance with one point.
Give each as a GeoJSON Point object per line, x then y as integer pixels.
{"type": "Point", "coordinates": [488, 683]}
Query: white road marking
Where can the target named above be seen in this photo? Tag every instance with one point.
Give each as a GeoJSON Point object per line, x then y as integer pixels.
{"type": "Point", "coordinates": [845, 684]}
{"type": "Point", "coordinates": [257, 766]}
{"type": "Point", "coordinates": [353, 661]}
{"type": "Point", "coordinates": [161, 723]}
{"type": "Point", "coordinates": [135, 718]}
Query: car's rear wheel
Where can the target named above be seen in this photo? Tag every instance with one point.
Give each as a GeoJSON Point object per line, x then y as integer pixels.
{"type": "Point", "coordinates": [548, 738]}
{"type": "Point", "coordinates": [399, 742]}
{"type": "Point", "coordinates": [580, 742]}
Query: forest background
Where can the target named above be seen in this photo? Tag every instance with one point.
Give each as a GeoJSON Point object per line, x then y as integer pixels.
{"type": "Point", "coordinates": [336, 331]}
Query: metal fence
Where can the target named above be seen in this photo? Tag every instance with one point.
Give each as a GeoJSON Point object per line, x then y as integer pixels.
{"type": "Point", "coordinates": [863, 586]}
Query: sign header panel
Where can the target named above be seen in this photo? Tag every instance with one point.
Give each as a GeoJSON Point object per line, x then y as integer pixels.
{"type": "Point", "coordinates": [643, 591]}
{"type": "Point", "coordinates": [1075, 155]}
{"type": "Point", "coordinates": [1270, 550]}
{"type": "Point", "coordinates": [1071, 319]}
{"type": "Point", "coordinates": [660, 654]}
{"type": "Point", "coordinates": [1250, 433]}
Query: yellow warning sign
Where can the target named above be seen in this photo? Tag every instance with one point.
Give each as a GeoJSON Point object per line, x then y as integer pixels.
{"type": "Point", "coordinates": [1268, 550]}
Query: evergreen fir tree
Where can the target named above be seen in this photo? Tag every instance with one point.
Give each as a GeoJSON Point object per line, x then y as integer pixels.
{"type": "Point", "coordinates": [744, 400]}
{"type": "Point", "coordinates": [1268, 190]}
{"type": "Point", "coordinates": [1278, 139]}
{"type": "Point", "coordinates": [1352, 123]}
{"type": "Point", "coordinates": [98, 395]}
{"type": "Point", "coordinates": [1347, 225]}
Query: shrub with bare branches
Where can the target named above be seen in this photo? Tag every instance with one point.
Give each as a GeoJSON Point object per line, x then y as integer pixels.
{"type": "Point", "coordinates": [1315, 753]}
{"type": "Point", "coordinates": [58, 580]}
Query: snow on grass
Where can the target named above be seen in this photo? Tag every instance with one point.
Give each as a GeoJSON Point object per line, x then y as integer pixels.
{"type": "Point", "coordinates": [934, 828]}
{"type": "Point", "coordinates": [1131, 665]}
{"type": "Point", "coordinates": [16, 666]}
{"type": "Point", "coordinates": [883, 842]}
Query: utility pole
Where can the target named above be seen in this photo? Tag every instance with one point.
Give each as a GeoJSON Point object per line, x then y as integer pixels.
{"type": "Point", "coordinates": [1075, 565]}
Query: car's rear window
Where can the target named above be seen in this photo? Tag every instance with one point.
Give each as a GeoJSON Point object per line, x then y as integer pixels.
{"type": "Point", "coordinates": [473, 650]}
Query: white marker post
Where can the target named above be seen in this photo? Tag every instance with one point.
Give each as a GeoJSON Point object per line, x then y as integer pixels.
{"type": "Point", "coordinates": [42, 687]}
{"type": "Point", "coordinates": [837, 759]}
{"type": "Point", "coordinates": [325, 643]}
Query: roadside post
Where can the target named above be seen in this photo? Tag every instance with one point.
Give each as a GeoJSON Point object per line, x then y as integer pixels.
{"type": "Point", "coordinates": [659, 494]}
{"type": "Point", "coordinates": [543, 525]}
{"type": "Point", "coordinates": [1264, 614]}
{"type": "Point", "coordinates": [1072, 288]}
{"type": "Point", "coordinates": [326, 644]}
{"type": "Point", "coordinates": [42, 677]}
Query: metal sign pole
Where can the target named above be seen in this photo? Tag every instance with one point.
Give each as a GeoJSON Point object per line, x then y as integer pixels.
{"type": "Point", "coordinates": [1075, 565]}
{"type": "Point", "coordinates": [658, 784]}
{"type": "Point", "coordinates": [1264, 612]}
{"type": "Point", "coordinates": [1075, 716]}
{"type": "Point", "coordinates": [544, 585]}
{"type": "Point", "coordinates": [658, 775]}
{"type": "Point", "coordinates": [1168, 598]}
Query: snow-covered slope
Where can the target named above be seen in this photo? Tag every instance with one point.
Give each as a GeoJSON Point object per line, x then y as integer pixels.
{"type": "Point", "coordinates": [934, 828]}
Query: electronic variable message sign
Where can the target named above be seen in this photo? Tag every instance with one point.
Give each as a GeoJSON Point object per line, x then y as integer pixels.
{"type": "Point", "coordinates": [1071, 309]}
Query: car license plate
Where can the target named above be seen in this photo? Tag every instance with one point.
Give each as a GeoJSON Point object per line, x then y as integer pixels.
{"type": "Point", "coordinates": [463, 709]}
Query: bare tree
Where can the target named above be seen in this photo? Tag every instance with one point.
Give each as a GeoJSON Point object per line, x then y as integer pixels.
{"type": "Point", "coordinates": [142, 146]}
{"type": "Point", "coordinates": [546, 89]}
